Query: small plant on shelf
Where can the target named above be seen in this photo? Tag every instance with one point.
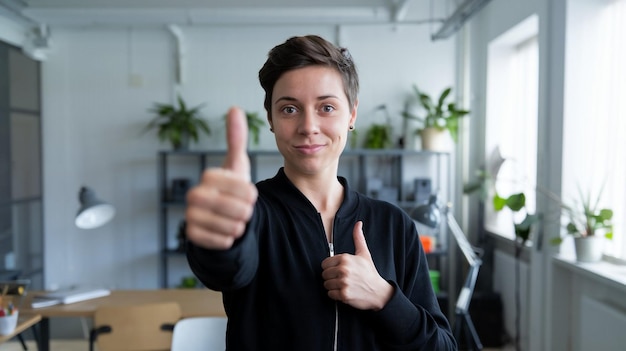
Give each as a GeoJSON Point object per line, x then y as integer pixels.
{"type": "Point", "coordinates": [440, 117]}
{"type": "Point", "coordinates": [178, 124]}
{"type": "Point", "coordinates": [378, 136]}
{"type": "Point", "coordinates": [254, 126]}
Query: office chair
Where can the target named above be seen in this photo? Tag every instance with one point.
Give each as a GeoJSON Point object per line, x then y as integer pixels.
{"type": "Point", "coordinates": [200, 334]}
{"type": "Point", "coordinates": [146, 327]}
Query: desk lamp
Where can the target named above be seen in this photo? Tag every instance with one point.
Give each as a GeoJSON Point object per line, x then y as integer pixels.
{"type": "Point", "coordinates": [93, 212]}
{"type": "Point", "coordinates": [430, 216]}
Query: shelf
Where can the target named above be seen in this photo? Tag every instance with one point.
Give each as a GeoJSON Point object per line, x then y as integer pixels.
{"type": "Point", "coordinates": [173, 252]}
{"type": "Point", "coordinates": [396, 168]}
{"type": "Point", "coordinates": [170, 203]}
{"type": "Point", "coordinates": [346, 152]}
{"type": "Point", "coordinates": [437, 252]}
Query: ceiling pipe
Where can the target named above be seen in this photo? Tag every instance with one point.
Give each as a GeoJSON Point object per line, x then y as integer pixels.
{"type": "Point", "coordinates": [399, 10]}
{"type": "Point", "coordinates": [179, 55]}
{"type": "Point", "coordinates": [462, 13]}
{"type": "Point", "coordinates": [13, 8]}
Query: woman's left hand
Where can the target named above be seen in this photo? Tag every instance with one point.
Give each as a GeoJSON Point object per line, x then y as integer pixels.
{"type": "Point", "coordinates": [353, 279]}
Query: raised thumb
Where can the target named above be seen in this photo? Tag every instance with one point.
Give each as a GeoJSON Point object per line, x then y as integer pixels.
{"type": "Point", "coordinates": [360, 245]}
{"type": "Point", "coordinates": [237, 159]}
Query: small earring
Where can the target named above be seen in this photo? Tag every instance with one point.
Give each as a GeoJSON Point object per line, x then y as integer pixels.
{"type": "Point", "coordinates": [271, 129]}
{"type": "Point", "coordinates": [351, 127]}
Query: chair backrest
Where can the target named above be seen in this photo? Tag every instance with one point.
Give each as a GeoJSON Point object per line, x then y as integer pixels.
{"type": "Point", "coordinates": [13, 291]}
{"type": "Point", "coordinates": [137, 328]}
{"type": "Point", "coordinates": [200, 334]}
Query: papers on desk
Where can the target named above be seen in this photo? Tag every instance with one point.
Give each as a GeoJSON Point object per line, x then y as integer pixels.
{"type": "Point", "coordinates": [66, 296]}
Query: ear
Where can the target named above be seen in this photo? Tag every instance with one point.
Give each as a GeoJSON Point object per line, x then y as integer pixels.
{"type": "Point", "coordinates": [353, 113]}
{"type": "Point", "coordinates": [269, 120]}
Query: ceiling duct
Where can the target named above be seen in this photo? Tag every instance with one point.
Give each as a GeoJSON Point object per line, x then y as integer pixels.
{"type": "Point", "coordinates": [13, 9]}
{"type": "Point", "coordinates": [37, 43]}
{"type": "Point", "coordinates": [462, 13]}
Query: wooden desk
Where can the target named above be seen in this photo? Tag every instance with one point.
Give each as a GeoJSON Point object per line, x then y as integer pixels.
{"type": "Point", "coordinates": [24, 321]}
{"type": "Point", "coordinates": [193, 303]}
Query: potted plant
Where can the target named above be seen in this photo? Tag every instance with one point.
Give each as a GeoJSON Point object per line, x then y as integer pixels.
{"type": "Point", "coordinates": [517, 204]}
{"type": "Point", "coordinates": [586, 221]}
{"type": "Point", "coordinates": [589, 224]}
{"type": "Point", "coordinates": [378, 136]}
{"type": "Point", "coordinates": [178, 123]}
{"type": "Point", "coordinates": [441, 122]}
{"type": "Point", "coordinates": [254, 125]}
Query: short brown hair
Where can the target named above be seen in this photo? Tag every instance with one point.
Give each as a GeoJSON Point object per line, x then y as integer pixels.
{"type": "Point", "coordinates": [303, 51]}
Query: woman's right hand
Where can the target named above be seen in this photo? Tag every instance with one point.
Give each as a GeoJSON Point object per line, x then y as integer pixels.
{"type": "Point", "coordinates": [221, 205]}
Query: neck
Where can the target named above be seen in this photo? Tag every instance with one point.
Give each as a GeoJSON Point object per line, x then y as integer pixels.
{"type": "Point", "coordinates": [324, 192]}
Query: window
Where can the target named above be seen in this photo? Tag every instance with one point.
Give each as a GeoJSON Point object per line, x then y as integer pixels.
{"type": "Point", "coordinates": [594, 149]}
{"type": "Point", "coordinates": [511, 119]}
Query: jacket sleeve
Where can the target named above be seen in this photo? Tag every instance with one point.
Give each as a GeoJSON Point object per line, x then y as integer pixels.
{"type": "Point", "coordinates": [225, 270]}
{"type": "Point", "coordinates": [412, 319]}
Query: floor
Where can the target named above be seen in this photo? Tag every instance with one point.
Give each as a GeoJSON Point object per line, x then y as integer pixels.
{"type": "Point", "coordinates": [55, 345]}
{"type": "Point", "coordinates": [80, 345]}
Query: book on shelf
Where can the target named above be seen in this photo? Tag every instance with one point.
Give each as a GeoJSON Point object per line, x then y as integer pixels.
{"type": "Point", "coordinates": [66, 296]}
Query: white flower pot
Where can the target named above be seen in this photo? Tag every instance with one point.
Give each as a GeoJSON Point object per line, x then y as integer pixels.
{"type": "Point", "coordinates": [8, 323]}
{"type": "Point", "coordinates": [589, 249]}
{"type": "Point", "coordinates": [434, 139]}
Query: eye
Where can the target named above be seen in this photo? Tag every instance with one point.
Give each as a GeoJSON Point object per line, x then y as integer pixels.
{"type": "Point", "coordinates": [289, 110]}
{"type": "Point", "coordinates": [328, 108]}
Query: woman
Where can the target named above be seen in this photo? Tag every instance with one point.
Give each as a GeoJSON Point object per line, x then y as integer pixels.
{"type": "Point", "coordinates": [303, 261]}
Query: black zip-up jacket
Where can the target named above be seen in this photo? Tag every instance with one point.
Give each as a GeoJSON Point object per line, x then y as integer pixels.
{"type": "Point", "coordinates": [272, 285]}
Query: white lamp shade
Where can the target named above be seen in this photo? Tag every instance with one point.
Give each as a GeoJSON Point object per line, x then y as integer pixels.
{"type": "Point", "coordinates": [93, 212]}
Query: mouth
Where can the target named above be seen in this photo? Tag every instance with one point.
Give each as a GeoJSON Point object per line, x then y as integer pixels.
{"type": "Point", "coordinates": [309, 149]}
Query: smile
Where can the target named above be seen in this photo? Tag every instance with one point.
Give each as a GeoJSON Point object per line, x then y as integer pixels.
{"type": "Point", "coordinates": [309, 149]}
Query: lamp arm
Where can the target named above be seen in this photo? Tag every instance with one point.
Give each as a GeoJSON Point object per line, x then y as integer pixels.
{"type": "Point", "coordinates": [468, 250]}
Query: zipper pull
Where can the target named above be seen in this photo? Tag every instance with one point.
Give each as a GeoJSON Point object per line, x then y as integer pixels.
{"type": "Point", "coordinates": [331, 247]}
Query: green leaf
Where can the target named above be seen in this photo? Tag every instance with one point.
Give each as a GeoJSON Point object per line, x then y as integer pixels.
{"type": "Point", "coordinates": [443, 97]}
{"type": "Point", "coordinates": [556, 241]}
{"type": "Point", "coordinates": [522, 233]}
{"type": "Point", "coordinates": [426, 102]}
{"type": "Point", "coordinates": [472, 187]}
{"type": "Point", "coordinates": [523, 229]}
{"type": "Point", "coordinates": [516, 202]}
{"type": "Point", "coordinates": [498, 202]}
{"type": "Point", "coordinates": [605, 214]}
{"type": "Point", "coordinates": [571, 228]}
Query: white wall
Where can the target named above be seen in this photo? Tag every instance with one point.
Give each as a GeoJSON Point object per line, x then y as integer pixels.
{"type": "Point", "coordinates": [588, 306]}
{"type": "Point", "coordinates": [99, 83]}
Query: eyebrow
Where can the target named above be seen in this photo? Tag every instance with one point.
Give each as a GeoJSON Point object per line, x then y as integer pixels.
{"type": "Point", "coordinates": [291, 99]}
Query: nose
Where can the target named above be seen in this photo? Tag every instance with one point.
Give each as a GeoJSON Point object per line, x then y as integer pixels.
{"type": "Point", "coordinates": [309, 122]}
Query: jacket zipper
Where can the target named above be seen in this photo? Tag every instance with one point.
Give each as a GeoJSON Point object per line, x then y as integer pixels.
{"type": "Point", "coordinates": [331, 253]}
{"type": "Point", "coordinates": [331, 247]}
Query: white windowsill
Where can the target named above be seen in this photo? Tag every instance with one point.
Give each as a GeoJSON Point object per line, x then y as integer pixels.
{"type": "Point", "coordinates": [604, 272]}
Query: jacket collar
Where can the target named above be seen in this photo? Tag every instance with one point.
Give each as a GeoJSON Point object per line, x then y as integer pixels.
{"type": "Point", "coordinates": [291, 194]}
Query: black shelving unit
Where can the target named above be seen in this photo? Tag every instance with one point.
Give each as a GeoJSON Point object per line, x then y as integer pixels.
{"type": "Point", "coordinates": [357, 165]}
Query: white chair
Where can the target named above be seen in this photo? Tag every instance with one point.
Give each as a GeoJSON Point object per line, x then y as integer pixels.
{"type": "Point", "coordinates": [200, 334]}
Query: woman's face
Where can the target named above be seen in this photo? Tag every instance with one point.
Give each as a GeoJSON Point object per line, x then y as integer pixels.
{"type": "Point", "coordinates": [311, 117]}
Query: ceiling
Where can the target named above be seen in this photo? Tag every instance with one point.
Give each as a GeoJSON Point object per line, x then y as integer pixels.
{"type": "Point", "coordinates": [220, 12]}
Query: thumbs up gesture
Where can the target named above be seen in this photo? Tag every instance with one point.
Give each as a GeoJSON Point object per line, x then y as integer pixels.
{"type": "Point", "coordinates": [220, 206]}
{"type": "Point", "coordinates": [353, 279]}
